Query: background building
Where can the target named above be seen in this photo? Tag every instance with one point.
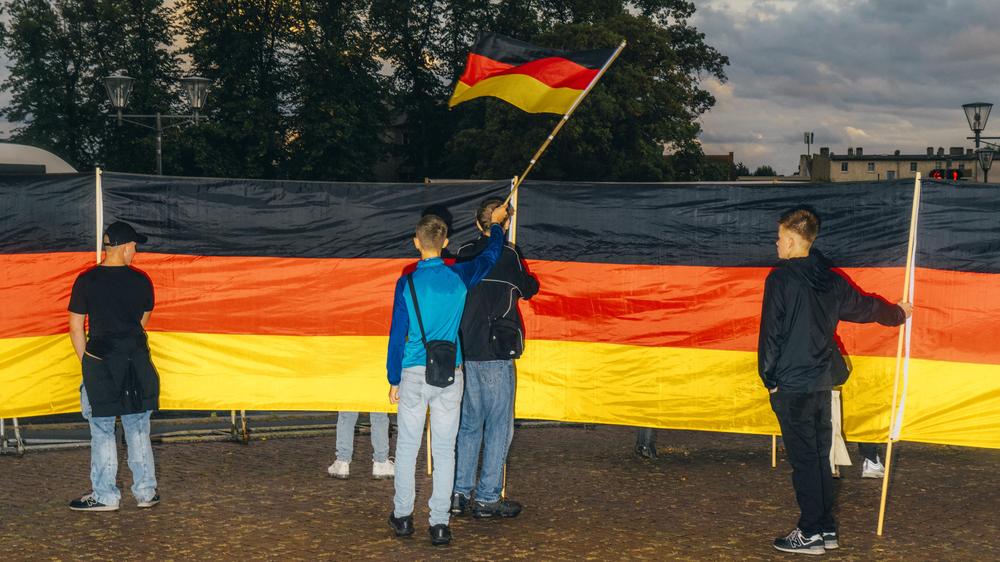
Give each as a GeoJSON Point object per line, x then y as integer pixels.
{"type": "Point", "coordinates": [858, 166]}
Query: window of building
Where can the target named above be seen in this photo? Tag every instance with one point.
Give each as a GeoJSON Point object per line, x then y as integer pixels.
{"type": "Point", "coordinates": [913, 166]}
{"type": "Point", "coordinates": [961, 165]}
{"type": "Point", "coordinates": [871, 166]}
{"type": "Point", "coordinates": [843, 166]}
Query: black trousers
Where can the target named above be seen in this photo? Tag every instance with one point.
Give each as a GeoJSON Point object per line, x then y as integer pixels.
{"type": "Point", "coordinates": [807, 431]}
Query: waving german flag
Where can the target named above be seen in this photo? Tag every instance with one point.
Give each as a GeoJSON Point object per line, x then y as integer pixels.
{"type": "Point", "coordinates": [535, 79]}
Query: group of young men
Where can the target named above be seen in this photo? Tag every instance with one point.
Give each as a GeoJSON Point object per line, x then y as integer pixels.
{"type": "Point", "coordinates": [454, 335]}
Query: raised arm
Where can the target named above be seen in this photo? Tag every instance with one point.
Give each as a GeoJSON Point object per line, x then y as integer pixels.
{"type": "Point", "coordinates": [472, 272]}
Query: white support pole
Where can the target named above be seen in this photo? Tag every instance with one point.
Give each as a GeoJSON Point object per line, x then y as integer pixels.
{"type": "Point", "coordinates": [914, 212]}
{"type": "Point", "coordinates": [98, 213]}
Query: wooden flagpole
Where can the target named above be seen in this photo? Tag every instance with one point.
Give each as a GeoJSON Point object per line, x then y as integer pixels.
{"type": "Point", "coordinates": [565, 117]}
{"type": "Point", "coordinates": [899, 350]}
{"type": "Point", "coordinates": [774, 451]}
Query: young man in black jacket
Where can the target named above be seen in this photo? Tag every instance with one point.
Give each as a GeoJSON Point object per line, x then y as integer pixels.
{"type": "Point", "coordinates": [492, 337]}
{"type": "Point", "coordinates": [799, 363]}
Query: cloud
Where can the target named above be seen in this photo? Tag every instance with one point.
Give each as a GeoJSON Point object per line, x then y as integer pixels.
{"type": "Point", "coordinates": [890, 73]}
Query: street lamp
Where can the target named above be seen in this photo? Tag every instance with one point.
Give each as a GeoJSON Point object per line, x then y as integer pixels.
{"type": "Point", "coordinates": [985, 161]}
{"type": "Point", "coordinates": [977, 114]}
{"type": "Point", "coordinates": [196, 89]}
{"type": "Point", "coordinates": [119, 86]}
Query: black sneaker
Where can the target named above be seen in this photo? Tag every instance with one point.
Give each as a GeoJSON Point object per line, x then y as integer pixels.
{"type": "Point", "coordinates": [459, 504]}
{"type": "Point", "coordinates": [150, 502]}
{"type": "Point", "coordinates": [830, 540]}
{"type": "Point", "coordinates": [499, 508]}
{"type": "Point", "coordinates": [798, 543]}
{"type": "Point", "coordinates": [440, 534]}
{"type": "Point", "coordinates": [89, 503]}
{"type": "Point", "coordinates": [402, 526]}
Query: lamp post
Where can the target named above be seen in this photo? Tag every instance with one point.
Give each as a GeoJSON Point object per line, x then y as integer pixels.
{"type": "Point", "coordinates": [977, 114]}
{"type": "Point", "coordinates": [986, 161]}
{"type": "Point", "coordinates": [119, 86]}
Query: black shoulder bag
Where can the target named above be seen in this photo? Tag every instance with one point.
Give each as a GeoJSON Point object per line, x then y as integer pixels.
{"type": "Point", "coordinates": [440, 353]}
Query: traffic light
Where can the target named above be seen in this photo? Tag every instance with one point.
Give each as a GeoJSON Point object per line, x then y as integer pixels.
{"type": "Point", "coordinates": [950, 174]}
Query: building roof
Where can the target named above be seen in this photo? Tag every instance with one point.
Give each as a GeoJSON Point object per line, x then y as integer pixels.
{"type": "Point", "coordinates": [904, 157]}
{"type": "Point", "coordinates": [28, 156]}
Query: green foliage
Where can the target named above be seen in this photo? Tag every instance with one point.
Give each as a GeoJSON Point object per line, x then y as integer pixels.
{"type": "Point", "coordinates": [313, 89]}
{"type": "Point", "coordinates": [742, 170]}
{"type": "Point", "coordinates": [764, 170]}
{"type": "Point", "coordinates": [60, 52]}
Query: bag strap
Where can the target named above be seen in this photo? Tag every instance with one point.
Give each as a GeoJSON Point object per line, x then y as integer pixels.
{"type": "Point", "coordinates": [416, 307]}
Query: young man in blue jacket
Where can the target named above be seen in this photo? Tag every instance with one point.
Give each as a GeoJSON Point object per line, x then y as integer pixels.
{"type": "Point", "coordinates": [440, 291]}
{"type": "Point", "coordinates": [799, 363]}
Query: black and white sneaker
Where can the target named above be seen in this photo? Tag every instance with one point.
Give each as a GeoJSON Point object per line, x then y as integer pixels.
{"type": "Point", "coordinates": [90, 503]}
{"type": "Point", "coordinates": [150, 502]}
{"type": "Point", "coordinates": [798, 543]}
{"type": "Point", "coordinates": [830, 540]}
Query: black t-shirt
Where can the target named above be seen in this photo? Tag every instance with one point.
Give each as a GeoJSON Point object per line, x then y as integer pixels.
{"type": "Point", "coordinates": [114, 299]}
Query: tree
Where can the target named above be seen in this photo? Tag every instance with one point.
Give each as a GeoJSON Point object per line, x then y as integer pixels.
{"type": "Point", "coordinates": [339, 120]}
{"type": "Point", "coordinates": [764, 170]}
{"type": "Point", "coordinates": [61, 51]}
{"type": "Point", "coordinates": [741, 170]}
{"type": "Point", "coordinates": [243, 47]}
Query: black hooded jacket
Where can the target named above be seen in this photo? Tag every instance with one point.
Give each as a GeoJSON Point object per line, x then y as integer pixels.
{"type": "Point", "coordinates": [496, 296]}
{"type": "Point", "coordinates": [804, 299]}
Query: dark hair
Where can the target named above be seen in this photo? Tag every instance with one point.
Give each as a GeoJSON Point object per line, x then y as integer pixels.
{"type": "Point", "coordinates": [485, 211]}
{"type": "Point", "coordinates": [803, 221]}
{"type": "Point", "coordinates": [432, 232]}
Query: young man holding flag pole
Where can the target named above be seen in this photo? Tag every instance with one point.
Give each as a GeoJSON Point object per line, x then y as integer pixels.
{"type": "Point", "coordinates": [536, 80]}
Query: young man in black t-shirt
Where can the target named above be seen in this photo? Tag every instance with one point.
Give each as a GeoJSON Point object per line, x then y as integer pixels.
{"type": "Point", "coordinates": [118, 375]}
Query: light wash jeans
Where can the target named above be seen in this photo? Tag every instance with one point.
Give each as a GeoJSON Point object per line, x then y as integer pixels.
{"type": "Point", "coordinates": [445, 403]}
{"type": "Point", "coordinates": [487, 420]}
{"type": "Point", "coordinates": [345, 435]}
{"type": "Point", "coordinates": [104, 455]}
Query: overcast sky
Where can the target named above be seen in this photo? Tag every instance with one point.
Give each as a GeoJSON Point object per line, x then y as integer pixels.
{"type": "Point", "coordinates": [882, 74]}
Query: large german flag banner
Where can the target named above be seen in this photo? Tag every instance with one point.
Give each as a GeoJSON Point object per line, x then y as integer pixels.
{"type": "Point", "coordinates": [277, 295]}
{"type": "Point", "coordinates": [534, 79]}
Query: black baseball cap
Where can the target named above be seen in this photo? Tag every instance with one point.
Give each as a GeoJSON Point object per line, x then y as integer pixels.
{"type": "Point", "coordinates": [122, 233]}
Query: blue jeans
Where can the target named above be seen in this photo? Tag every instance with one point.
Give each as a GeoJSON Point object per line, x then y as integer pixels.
{"type": "Point", "coordinates": [104, 455]}
{"type": "Point", "coordinates": [487, 420]}
{"type": "Point", "coordinates": [345, 435]}
{"type": "Point", "coordinates": [445, 403]}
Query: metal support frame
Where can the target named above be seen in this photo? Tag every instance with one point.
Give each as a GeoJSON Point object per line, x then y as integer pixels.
{"type": "Point", "coordinates": [241, 433]}
{"type": "Point", "coordinates": [18, 447]}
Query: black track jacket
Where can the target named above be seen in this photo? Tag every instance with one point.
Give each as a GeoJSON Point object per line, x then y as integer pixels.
{"type": "Point", "coordinates": [803, 301]}
{"type": "Point", "coordinates": [496, 296]}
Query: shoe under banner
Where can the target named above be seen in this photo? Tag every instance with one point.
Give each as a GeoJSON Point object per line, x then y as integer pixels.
{"type": "Point", "coordinates": [277, 295]}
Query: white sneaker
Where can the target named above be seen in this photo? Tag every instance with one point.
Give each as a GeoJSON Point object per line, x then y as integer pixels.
{"type": "Point", "coordinates": [381, 470]}
{"type": "Point", "coordinates": [871, 469]}
{"type": "Point", "coordinates": [339, 469]}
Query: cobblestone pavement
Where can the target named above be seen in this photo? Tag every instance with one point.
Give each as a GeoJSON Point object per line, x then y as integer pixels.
{"type": "Point", "coordinates": [708, 497]}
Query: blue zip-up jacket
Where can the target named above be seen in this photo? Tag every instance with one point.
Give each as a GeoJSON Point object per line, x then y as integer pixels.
{"type": "Point", "coordinates": [441, 290]}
